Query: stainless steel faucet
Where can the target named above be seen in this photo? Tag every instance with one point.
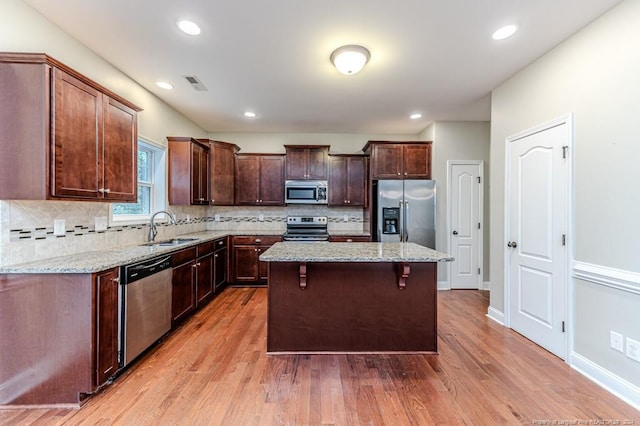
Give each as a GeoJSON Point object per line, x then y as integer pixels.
{"type": "Point", "coordinates": [152, 226]}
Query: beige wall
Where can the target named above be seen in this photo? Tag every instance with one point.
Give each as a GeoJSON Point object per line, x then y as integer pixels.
{"type": "Point", "coordinates": [593, 75]}
{"type": "Point", "coordinates": [461, 140]}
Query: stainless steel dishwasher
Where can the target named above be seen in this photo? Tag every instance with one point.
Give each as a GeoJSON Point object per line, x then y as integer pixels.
{"type": "Point", "coordinates": [145, 306]}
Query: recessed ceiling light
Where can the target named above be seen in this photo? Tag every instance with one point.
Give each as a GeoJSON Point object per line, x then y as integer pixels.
{"type": "Point", "coordinates": [505, 32]}
{"type": "Point", "coordinates": [250, 114]}
{"type": "Point", "coordinates": [415, 116]}
{"type": "Point", "coordinates": [164, 85]}
{"type": "Point", "coordinates": [189, 27]}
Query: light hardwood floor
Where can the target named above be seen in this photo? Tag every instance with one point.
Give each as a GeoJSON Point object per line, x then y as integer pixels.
{"type": "Point", "coordinates": [214, 370]}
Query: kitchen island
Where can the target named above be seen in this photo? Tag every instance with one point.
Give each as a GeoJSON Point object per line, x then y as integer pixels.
{"type": "Point", "coordinates": [352, 297]}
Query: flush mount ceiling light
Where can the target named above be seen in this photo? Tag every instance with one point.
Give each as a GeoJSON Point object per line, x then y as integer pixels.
{"type": "Point", "coordinates": [415, 116]}
{"type": "Point", "coordinates": [350, 59]}
{"type": "Point", "coordinates": [189, 27]}
{"type": "Point", "coordinates": [250, 114]}
{"type": "Point", "coordinates": [164, 85]}
{"type": "Point", "coordinates": [505, 32]}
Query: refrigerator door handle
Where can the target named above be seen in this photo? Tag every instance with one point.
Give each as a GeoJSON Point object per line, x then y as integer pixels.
{"type": "Point", "coordinates": [402, 224]}
{"type": "Point", "coordinates": [406, 221]}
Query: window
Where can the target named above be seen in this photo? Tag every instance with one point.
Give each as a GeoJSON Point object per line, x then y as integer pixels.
{"type": "Point", "coordinates": [151, 186]}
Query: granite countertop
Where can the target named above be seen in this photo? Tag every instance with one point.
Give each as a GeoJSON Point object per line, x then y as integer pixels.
{"type": "Point", "coordinates": [352, 252]}
{"type": "Point", "coordinates": [101, 260]}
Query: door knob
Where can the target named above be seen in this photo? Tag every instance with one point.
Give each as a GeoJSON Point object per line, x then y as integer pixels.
{"type": "Point", "coordinates": [512, 244]}
{"type": "Point", "coordinates": [455, 232]}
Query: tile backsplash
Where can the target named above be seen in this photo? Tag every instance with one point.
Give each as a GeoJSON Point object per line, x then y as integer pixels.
{"type": "Point", "coordinates": [27, 227]}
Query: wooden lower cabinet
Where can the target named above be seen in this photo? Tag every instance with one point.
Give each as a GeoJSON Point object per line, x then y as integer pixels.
{"type": "Point", "coordinates": [106, 318]}
{"type": "Point", "coordinates": [183, 301]}
{"type": "Point", "coordinates": [198, 273]}
{"type": "Point", "coordinates": [66, 325]}
{"type": "Point", "coordinates": [204, 273]}
{"type": "Point", "coordinates": [220, 256]}
{"type": "Point", "coordinates": [246, 266]}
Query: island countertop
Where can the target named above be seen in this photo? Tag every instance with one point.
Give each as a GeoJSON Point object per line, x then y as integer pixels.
{"type": "Point", "coordinates": [352, 252]}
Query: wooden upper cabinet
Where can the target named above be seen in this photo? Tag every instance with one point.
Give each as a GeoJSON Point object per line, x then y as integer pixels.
{"type": "Point", "coordinates": [399, 160]}
{"type": "Point", "coordinates": [260, 179]}
{"type": "Point", "coordinates": [120, 151]}
{"type": "Point", "coordinates": [222, 158]}
{"type": "Point", "coordinates": [63, 136]}
{"type": "Point", "coordinates": [188, 171]}
{"type": "Point", "coordinates": [307, 162]}
{"type": "Point", "coordinates": [347, 180]}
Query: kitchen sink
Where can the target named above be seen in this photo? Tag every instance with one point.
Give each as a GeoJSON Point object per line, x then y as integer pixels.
{"type": "Point", "coordinates": [171, 242]}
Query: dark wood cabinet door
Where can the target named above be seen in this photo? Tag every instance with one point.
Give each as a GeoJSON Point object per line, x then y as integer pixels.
{"type": "Point", "coordinates": [219, 268]}
{"type": "Point", "coordinates": [204, 278]}
{"type": "Point", "coordinates": [386, 161]}
{"type": "Point", "coordinates": [247, 190]}
{"type": "Point", "coordinates": [245, 263]}
{"type": "Point", "coordinates": [263, 267]}
{"type": "Point", "coordinates": [356, 181]}
{"type": "Point", "coordinates": [120, 152]}
{"type": "Point", "coordinates": [317, 163]}
{"type": "Point", "coordinates": [77, 138]}
{"type": "Point", "coordinates": [338, 181]}
{"type": "Point", "coordinates": [272, 180]}
{"type": "Point", "coordinates": [182, 297]}
{"type": "Point", "coordinates": [417, 161]}
{"type": "Point", "coordinates": [306, 162]}
{"type": "Point", "coordinates": [222, 160]}
{"type": "Point", "coordinates": [199, 175]}
{"type": "Point", "coordinates": [296, 163]}
{"type": "Point", "coordinates": [106, 311]}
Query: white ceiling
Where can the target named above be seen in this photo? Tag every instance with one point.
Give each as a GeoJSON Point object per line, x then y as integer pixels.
{"type": "Point", "coordinates": [435, 57]}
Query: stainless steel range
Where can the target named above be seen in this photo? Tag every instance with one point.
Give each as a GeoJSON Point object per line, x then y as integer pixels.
{"type": "Point", "coordinates": [306, 229]}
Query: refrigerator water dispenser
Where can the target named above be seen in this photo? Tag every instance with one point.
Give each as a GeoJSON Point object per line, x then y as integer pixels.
{"type": "Point", "coordinates": [390, 216]}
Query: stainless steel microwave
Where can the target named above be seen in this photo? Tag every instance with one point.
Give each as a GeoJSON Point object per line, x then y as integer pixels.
{"type": "Point", "coordinates": [305, 192]}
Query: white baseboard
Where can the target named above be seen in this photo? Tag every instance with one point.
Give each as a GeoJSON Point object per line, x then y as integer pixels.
{"type": "Point", "coordinates": [495, 315]}
{"type": "Point", "coordinates": [628, 392]}
{"type": "Point", "coordinates": [486, 285]}
{"type": "Point", "coordinates": [443, 285]}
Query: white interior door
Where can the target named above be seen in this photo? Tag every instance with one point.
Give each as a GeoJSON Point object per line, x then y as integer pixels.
{"type": "Point", "coordinates": [465, 224]}
{"type": "Point", "coordinates": [538, 182]}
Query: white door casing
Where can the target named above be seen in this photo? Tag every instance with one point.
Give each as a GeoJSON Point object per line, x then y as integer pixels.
{"type": "Point", "coordinates": [537, 223]}
{"type": "Point", "coordinates": [465, 195]}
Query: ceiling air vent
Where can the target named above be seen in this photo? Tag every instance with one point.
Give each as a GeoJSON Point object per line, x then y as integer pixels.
{"type": "Point", "coordinates": [196, 83]}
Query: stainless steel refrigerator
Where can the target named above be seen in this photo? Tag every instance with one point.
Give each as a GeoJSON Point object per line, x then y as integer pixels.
{"type": "Point", "coordinates": [405, 211]}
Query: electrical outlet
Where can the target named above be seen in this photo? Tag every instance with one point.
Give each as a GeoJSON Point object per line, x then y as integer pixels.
{"type": "Point", "coordinates": [616, 341]}
{"type": "Point", "coordinates": [188, 218]}
{"type": "Point", "coordinates": [217, 217]}
{"type": "Point", "coordinates": [101, 223]}
{"type": "Point", "coordinates": [59, 227]}
{"type": "Point", "coordinates": [261, 217]}
{"type": "Point", "coordinates": [633, 349]}
{"type": "Point", "coordinates": [345, 218]}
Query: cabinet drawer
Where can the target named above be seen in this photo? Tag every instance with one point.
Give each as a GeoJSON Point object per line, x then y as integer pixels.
{"type": "Point", "coordinates": [256, 240]}
{"type": "Point", "coordinates": [220, 243]}
{"type": "Point", "coordinates": [349, 239]}
{"type": "Point", "coordinates": [183, 256]}
{"type": "Point", "coordinates": [205, 248]}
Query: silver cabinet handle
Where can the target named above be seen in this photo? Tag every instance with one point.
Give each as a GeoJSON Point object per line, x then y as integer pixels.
{"type": "Point", "coordinates": [258, 240]}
